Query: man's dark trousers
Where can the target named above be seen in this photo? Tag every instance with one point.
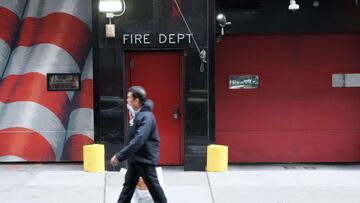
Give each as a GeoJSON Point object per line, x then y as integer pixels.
{"type": "Point", "coordinates": [148, 173]}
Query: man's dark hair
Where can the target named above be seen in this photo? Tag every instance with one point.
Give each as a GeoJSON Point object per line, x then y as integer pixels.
{"type": "Point", "coordinates": [138, 92]}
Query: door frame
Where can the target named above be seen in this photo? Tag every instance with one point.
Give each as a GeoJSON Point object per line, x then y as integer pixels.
{"type": "Point", "coordinates": [126, 84]}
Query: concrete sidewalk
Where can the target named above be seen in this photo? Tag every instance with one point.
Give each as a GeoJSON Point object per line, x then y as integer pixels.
{"type": "Point", "coordinates": [281, 183]}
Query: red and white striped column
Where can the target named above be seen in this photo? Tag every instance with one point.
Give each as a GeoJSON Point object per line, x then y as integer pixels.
{"type": "Point", "coordinates": [10, 13]}
{"type": "Point", "coordinates": [81, 121]}
{"type": "Point", "coordinates": [55, 38]}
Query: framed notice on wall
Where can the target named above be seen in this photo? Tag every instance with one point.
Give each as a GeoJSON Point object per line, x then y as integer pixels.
{"type": "Point", "coordinates": [243, 82]}
{"type": "Point", "coordinates": [63, 81]}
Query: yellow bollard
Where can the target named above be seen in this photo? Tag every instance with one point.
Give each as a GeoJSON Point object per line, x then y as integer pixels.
{"type": "Point", "coordinates": [217, 158]}
{"type": "Point", "coordinates": [94, 158]}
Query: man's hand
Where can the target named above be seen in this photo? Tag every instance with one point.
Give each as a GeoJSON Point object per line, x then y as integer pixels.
{"type": "Point", "coordinates": [114, 161]}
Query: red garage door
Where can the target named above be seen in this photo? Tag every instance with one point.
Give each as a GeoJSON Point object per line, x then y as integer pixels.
{"type": "Point", "coordinates": [295, 115]}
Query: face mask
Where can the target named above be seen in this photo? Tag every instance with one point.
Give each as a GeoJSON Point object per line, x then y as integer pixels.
{"type": "Point", "coordinates": [130, 108]}
{"type": "Point", "coordinates": [131, 114]}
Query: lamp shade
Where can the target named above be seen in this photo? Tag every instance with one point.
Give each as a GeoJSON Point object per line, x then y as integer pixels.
{"type": "Point", "coordinates": [111, 6]}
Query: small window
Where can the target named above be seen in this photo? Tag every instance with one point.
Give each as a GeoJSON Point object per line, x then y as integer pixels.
{"type": "Point", "coordinates": [346, 80]}
{"type": "Point", "coordinates": [63, 81]}
{"type": "Point", "coordinates": [243, 81]}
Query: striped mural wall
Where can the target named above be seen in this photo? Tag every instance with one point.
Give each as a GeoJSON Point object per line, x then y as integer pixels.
{"type": "Point", "coordinates": [41, 37]}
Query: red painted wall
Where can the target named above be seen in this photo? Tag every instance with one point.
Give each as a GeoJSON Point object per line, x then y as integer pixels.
{"type": "Point", "coordinates": [295, 115]}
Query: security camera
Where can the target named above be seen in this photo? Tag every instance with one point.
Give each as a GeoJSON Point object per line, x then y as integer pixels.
{"type": "Point", "coordinates": [221, 19]}
{"type": "Point", "coordinates": [293, 6]}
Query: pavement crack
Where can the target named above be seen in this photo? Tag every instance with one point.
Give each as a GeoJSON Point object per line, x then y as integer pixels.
{"type": "Point", "coordinates": [210, 188]}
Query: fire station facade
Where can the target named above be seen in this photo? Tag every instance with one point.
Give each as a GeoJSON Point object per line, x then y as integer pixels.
{"type": "Point", "coordinates": [278, 86]}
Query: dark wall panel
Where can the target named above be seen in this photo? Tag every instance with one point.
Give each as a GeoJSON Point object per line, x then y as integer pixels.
{"type": "Point", "coordinates": [159, 17]}
{"type": "Point", "coordinates": [274, 17]}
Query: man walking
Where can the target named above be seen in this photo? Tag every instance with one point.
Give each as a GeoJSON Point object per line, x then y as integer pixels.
{"type": "Point", "coordinates": [142, 150]}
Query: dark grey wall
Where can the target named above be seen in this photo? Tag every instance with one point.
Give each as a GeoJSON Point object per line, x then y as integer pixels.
{"type": "Point", "coordinates": [157, 16]}
{"type": "Point", "coordinates": [274, 17]}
